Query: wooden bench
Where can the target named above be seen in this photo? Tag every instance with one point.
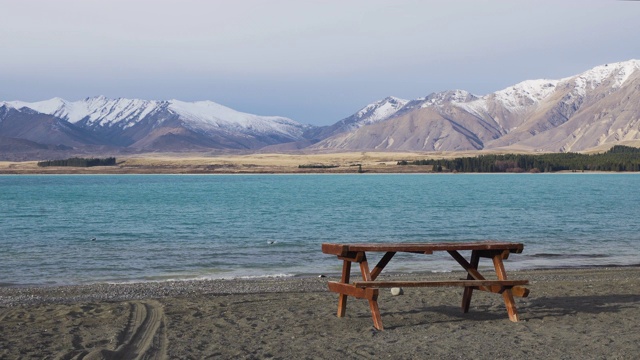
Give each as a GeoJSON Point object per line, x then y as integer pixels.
{"type": "Point", "coordinates": [368, 288]}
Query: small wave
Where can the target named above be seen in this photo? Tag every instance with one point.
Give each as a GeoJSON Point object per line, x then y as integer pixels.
{"type": "Point", "coordinates": [264, 276]}
{"type": "Point", "coordinates": [567, 256]}
{"type": "Point", "coordinates": [167, 279]}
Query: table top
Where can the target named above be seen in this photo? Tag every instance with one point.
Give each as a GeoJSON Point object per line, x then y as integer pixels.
{"type": "Point", "coordinates": [427, 247]}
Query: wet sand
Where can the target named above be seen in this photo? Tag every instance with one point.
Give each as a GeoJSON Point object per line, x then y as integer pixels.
{"type": "Point", "coordinates": [570, 314]}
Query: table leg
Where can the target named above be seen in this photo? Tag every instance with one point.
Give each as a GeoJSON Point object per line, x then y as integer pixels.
{"type": "Point", "coordinates": [468, 291]}
{"type": "Point", "coordinates": [375, 311]}
{"type": "Point", "coordinates": [364, 269]}
{"type": "Point", "coordinates": [373, 298]}
{"type": "Point", "coordinates": [507, 295]}
{"type": "Point", "coordinates": [342, 301]}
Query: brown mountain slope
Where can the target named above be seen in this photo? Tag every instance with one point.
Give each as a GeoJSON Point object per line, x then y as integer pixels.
{"type": "Point", "coordinates": [600, 107]}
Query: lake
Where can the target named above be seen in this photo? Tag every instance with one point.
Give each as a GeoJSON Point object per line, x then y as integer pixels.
{"type": "Point", "coordinates": [77, 229]}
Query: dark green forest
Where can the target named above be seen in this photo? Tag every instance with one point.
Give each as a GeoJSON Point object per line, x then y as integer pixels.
{"type": "Point", "coordinates": [618, 158]}
{"type": "Point", "coordinates": [79, 162]}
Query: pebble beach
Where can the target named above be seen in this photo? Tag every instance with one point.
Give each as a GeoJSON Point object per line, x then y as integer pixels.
{"type": "Point", "coordinates": [571, 313]}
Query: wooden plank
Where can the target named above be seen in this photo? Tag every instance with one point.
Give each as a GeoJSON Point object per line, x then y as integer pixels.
{"type": "Point", "coordinates": [472, 283]}
{"type": "Point", "coordinates": [339, 249]}
{"type": "Point", "coordinates": [335, 249]}
{"type": "Point", "coordinates": [348, 289]}
{"type": "Point", "coordinates": [381, 264]}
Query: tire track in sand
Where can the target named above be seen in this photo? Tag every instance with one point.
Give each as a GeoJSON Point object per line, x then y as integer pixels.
{"type": "Point", "coordinates": [144, 337]}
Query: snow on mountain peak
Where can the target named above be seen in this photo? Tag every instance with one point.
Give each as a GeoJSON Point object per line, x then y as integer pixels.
{"type": "Point", "coordinates": [205, 111]}
{"type": "Point", "coordinates": [51, 106]}
{"type": "Point", "coordinates": [449, 96]}
{"type": "Point", "coordinates": [209, 114]}
{"type": "Point", "coordinates": [97, 109]}
{"type": "Point", "coordinates": [212, 113]}
{"type": "Point", "coordinates": [526, 93]}
{"type": "Point", "coordinates": [618, 73]}
{"type": "Point", "coordinates": [201, 115]}
{"type": "Point", "coordinates": [379, 110]}
{"type": "Point", "coordinates": [394, 99]}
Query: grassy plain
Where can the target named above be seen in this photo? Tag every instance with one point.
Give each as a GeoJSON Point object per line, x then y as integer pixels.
{"type": "Point", "coordinates": [196, 163]}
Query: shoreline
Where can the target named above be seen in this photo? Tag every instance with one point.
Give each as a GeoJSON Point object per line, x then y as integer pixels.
{"type": "Point", "coordinates": [292, 277]}
{"type": "Point", "coordinates": [570, 313]}
{"type": "Point", "coordinates": [265, 170]}
{"type": "Point", "coordinates": [347, 162]}
{"type": "Point", "coordinates": [13, 295]}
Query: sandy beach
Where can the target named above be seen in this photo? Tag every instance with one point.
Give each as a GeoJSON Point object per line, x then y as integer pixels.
{"type": "Point", "coordinates": [570, 314]}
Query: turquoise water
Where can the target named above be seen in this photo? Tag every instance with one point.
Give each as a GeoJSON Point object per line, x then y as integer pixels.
{"type": "Point", "coordinates": [159, 227]}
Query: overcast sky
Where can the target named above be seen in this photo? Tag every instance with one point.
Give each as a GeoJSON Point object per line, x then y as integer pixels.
{"type": "Point", "coordinates": [313, 61]}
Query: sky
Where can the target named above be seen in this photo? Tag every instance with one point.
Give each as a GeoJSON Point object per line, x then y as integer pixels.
{"type": "Point", "coordinates": [315, 62]}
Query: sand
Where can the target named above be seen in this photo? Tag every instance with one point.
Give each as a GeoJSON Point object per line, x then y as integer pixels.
{"type": "Point", "coordinates": [570, 314]}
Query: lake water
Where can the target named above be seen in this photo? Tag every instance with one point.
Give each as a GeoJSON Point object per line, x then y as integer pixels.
{"type": "Point", "coordinates": [161, 227]}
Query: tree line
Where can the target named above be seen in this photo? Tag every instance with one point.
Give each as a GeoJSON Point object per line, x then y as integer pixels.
{"type": "Point", "coordinates": [618, 158]}
{"type": "Point", "coordinates": [79, 162]}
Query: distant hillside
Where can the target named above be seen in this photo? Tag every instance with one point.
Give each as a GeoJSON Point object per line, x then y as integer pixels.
{"type": "Point", "coordinates": [143, 125]}
{"type": "Point", "coordinates": [590, 111]}
{"type": "Point", "coordinates": [598, 107]}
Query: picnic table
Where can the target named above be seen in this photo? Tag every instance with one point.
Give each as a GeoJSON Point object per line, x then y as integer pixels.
{"type": "Point", "coordinates": [368, 288]}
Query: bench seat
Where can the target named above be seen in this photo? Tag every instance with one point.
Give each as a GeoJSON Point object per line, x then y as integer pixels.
{"type": "Point", "coordinates": [388, 284]}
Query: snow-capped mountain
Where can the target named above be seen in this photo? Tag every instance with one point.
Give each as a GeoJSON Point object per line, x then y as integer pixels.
{"type": "Point", "coordinates": [162, 125]}
{"type": "Point", "coordinates": [596, 108]}
{"type": "Point", "coordinates": [373, 113]}
{"type": "Point", "coordinates": [94, 111]}
{"type": "Point", "coordinates": [592, 110]}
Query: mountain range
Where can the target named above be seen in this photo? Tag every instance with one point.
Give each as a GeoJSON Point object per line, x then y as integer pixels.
{"type": "Point", "coordinates": [596, 109]}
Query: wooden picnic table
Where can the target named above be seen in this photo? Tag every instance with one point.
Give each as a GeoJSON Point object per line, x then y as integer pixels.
{"type": "Point", "coordinates": [368, 288]}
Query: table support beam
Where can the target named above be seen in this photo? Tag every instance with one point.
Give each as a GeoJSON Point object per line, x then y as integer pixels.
{"type": "Point", "coordinates": [506, 294]}
{"type": "Point", "coordinates": [381, 264]}
{"type": "Point", "coordinates": [473, 273]}
{"type": "Point", "coordinates": [471, 268]}
{"type": "Point", "coordinates": [373, 300]}
{"type": "Point", "coordinates": [468, 291]}
{"type": "Point", "coordinates": [364, 268]}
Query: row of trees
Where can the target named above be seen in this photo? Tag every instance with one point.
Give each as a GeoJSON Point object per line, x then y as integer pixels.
{"type": "Point", "coordinates": [618, 158]}
{"type": "Point", "coordinates": [79, 162]}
